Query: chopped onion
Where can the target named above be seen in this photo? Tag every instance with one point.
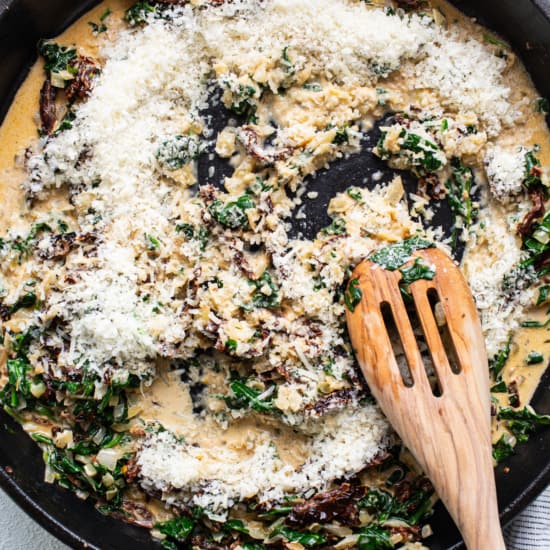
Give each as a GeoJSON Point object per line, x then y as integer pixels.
{"type": "Point", "coordinates": [257, 530]}
{"type": "Point", "coordinates": [22, 404]}
{"type": "Point", "coordinates": [541, 236]}
{"type": "Point", "coordinates": [427, 531]}
{"type": "Point", "coordinates": [274, 526]}
{"type": "Point", "coordinates": [347, 542]}
{"type": "Point", "coordinates": [118, 413]}
{"type": "Point", "coordinates": [396, 538]}
{"type": "Point", "coordinates": [120, 427]}
{"type": "Point", "coordinates": [38, 389]}
{"type": "Point", "coordinates": [111, 493]}
{"type": "Point", "coordinates": [100, 390]}
{"type": "Point", "coordinates": [365, 517]}
{"type": "Point", "coordinates": [217, 537]}
{"type": "Point", "coordinates": [90, 470]}
{"type": "Point", "coordinates": [64, 439]}
{"type": "Point", "coordinates": [395, 523]}
{"type": "Point", "coordinates": [58, 79]}
{"type": "Point", "coordinates": [134, 409]}
{"type": "Point", "coordinates": [267, 393]}
{"type": "Point", "coordinates": [99, 435]}
{"type": "Point", "coordinates": [156, 534]}
{"type": "Point", "coordinates": [109, 458]}
{"type": "Point", "coordinates": [107, 480]}
{"type": "Point", "coordinates": [49, 474]}
{"type": "Point", "coordinates": [33, 427]}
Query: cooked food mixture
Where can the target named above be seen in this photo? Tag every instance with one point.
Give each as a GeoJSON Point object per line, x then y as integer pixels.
{"type": "Point", "coordinates": [172, 342]}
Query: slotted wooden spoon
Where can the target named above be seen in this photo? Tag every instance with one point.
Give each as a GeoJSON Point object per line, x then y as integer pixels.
{"type": "Point", "coordinates": [448, 431]}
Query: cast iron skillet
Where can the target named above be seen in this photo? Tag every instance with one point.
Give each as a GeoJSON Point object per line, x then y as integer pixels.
{"type": "Point", "coordinates": [525, 24]}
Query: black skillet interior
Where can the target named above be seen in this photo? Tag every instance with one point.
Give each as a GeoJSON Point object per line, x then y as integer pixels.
{"type": "Point", "coordinates": [525, 24]}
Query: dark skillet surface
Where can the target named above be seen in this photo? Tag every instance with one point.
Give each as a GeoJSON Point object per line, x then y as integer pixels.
{"type": "Point", "coordinates": [525, 24]}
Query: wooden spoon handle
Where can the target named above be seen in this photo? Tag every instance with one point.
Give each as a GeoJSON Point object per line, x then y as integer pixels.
{"type": "Point", "coordinates": [463, 437]}
{"type": "Point", "coordinates": [483, 532]}
{"type": "Point", "coordinates": [449, 433]}
{"type": "Point", "coordinates": [474, 506]}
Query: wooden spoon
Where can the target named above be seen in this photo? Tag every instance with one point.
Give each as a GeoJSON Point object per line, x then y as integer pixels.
{"type": "Point", "coordinates": [449, 434]}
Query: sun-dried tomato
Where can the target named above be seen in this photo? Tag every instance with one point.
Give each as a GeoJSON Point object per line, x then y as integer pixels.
{"type": "Point", "coordinates": [48, 112]}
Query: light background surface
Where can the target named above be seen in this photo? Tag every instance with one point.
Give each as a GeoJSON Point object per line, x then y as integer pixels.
{"type": "Point", "coordinates": [531, 531]}
{"type": "Point", "coordinates": [19, 532]}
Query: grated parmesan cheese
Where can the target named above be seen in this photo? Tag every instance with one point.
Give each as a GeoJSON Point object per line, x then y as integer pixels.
{"type": "Point", "coordinates": [501, 292]}
{"type": "Point", "coordinates": [216, 478]}
{"type": "Point", "coordinates": [349, 44]}
{"type": "Point", "coordinates": [467, 76]}
{"type": "Point", "coordinates": [505, 171]}
{"type": "Point", "coordinates": [169, 281]}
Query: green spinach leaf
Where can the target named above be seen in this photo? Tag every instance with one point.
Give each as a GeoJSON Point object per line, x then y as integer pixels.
{"type": "Point", "coordinates": [305, 539]}
{"type": "Point", "coordinates": [502, 448]}
{"type": "Point", "coordinates": [392, 257]}
{"type": "Point", "coordinates": [138, 13]}
{"type": "Point", "coordinates": [245, 397]}
{"type": "Point", "coordinates": [56, 58]}
{"type": "Point", "coordinates": [353, 295]}
{"type": "Point", "coordinates": [177, 529]}
{"type": "Point", "coordinates": [176, 152]}
{"type": "Point", "coordinates": [267, 293]}
{"type": "Point", "coordinates": [232, 214]}
{"type": "Point", "coordinates": [459, 189]}
{"type": "Point", "coordinates": [337, 227]}
{"type": "Point", "coordinates": [29, 299]}
{"type": "Point", "coordinates": [374, 537]}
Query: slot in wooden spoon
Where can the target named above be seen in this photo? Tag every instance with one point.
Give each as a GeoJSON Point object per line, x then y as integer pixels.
{"type": "Point", "coordinates": [448, 430]}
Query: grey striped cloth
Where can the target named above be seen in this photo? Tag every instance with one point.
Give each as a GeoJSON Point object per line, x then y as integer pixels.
{"type": "Point", "coordinates": [531, 529]}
